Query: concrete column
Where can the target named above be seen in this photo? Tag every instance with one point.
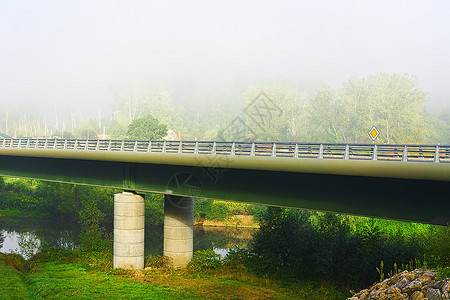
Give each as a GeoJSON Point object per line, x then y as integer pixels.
{"type": "Point", "coordinates": [178, 229]}
{"type": "Point", "coordinates": [129, 228]}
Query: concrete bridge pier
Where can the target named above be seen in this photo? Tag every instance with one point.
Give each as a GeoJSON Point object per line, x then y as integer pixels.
{"type": "Point", "coordinates": [129, 229]}
{"type": "Point", "coordinates": [178, 229]}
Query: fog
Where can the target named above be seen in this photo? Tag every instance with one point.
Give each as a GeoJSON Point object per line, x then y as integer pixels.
{"type": "Point", "coordinates": [61, 55]}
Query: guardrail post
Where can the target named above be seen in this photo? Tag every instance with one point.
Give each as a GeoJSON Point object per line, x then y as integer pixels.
{"type": "Point", "coordinates": [252, 152]}
{"type": "Point", "coordinates": [274, 150]}
{"type": "Point", "coordinates": [233, 148]}
{"type": "Point", "coordinates": [135, 146]}
{"type": "Point", "coordinates": [436, 155]}
{"type": "Point", "coordinates": [347, 152]}
{"type": "Point", "coordinates": [320, 151]}
{"type": "Point", "coordinates": [3, 144]}
{"type": "Point", "coordinates": [213, 151]}
{"type": "Point", "coordinates": [122, 146]}
{"type": "Point", "coordinates": [149, 146]}
{"type": "Point", "coordinates": [180, 147]}
{"type": "Point", "coordinates": [375, 154]}
{"type": "Point", "coordinates": [164, 147]}
{"type": "Point", "coordinates": [196, 148]}
{"type": "Point", "coordinates": [54, 145]}
{"type": "Point", "coordinates": [109, 145]}
{"type": "Point", "coordinates": [296, 151]}
{"type": "Point", "coordinates": [405, 154]}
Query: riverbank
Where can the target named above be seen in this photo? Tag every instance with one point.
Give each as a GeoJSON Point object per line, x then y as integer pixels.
{"type": "Point", "coordinates": [237, 221]}
{"type": "Point", "coordinates": [21, 214]}
{"type": "Point", "coordinates": [77, 274]}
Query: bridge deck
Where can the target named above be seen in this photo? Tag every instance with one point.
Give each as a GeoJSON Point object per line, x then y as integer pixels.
{"type": "Point", "coordinates": [406, 182]}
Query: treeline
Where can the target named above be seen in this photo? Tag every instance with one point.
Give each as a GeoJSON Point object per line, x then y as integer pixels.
{"type": "Point", "coordinates": [393, 103]}
{"type": "Point", "coordinates": [73, 202]}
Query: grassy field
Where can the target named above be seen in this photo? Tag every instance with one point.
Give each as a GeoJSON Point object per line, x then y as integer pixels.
{"type": "Point", "coordinates": [72, 277]}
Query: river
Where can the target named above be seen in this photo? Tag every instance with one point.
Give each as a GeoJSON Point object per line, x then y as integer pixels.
{"type": "Point", "coordinates": [28, 235]}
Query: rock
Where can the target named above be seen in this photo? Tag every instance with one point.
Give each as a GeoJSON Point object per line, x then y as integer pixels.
{"type": "Point", "coordinates": [433, 294]}
{"type": "Point", "coordinates": [445, 295]}
{"type": "Point", "coordinates": [401, 283]}
{"type": "Point", "coordinates": [430, 274]}
{"type": "Point", "coordinates": [362, 294]}
{"type": "Point", "coordinates": [416, 296]}
{"type": "Point", "coordinates": [393, 290]}
{"type": "Point", "coordinates": [424, 279]}
{"type": "Point", "coordinates": [409, 276]}
{"type": "Point", "coordinates": [438, 285]}
{"type": "Point", "coordinates": [413, 286]}
{"type": "Point", "coordinates": [446, 287]}
{"type": "Point", "coordinates": [382, 296]}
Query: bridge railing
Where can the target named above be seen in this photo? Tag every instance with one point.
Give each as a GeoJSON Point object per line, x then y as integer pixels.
{"type": "Point", "coordinates": [382, 152]}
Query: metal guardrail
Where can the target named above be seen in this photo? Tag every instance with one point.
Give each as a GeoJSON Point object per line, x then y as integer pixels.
{"type": "Point", "coordinates": [380, 152]}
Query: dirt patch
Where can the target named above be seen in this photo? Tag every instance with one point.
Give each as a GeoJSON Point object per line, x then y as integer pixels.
{"type": "Point", "coordinates": [240, 221]}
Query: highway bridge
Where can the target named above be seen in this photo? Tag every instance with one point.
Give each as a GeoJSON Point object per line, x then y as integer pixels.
{"type": "Point", "coordinates": [403, 182]}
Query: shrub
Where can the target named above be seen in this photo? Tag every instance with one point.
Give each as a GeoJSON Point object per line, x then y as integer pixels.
{"type": "Point", "coordinates": [205, 260]}
{"type": "Point", "coordinates": [157, 261]}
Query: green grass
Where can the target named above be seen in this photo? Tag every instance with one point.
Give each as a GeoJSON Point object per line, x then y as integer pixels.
{"type": "Point", "coordinates": [71, 281]}
{"type": "Point", "coordinates": [54, 280]}
{"type": "Point", "coordinates": [11, 286]}
{"type": "Point", "coordinates": [70, 274]}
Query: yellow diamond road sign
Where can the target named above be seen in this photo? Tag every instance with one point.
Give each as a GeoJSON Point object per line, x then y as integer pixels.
{"type": "Point", "coordinates": [373, 133]}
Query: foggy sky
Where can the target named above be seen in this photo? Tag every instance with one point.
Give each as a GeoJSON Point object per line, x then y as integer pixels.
{"type": "Point", "coordinates": [76, 53]}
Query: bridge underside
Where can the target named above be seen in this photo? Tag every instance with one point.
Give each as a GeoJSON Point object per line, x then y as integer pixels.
{"type": "Point", "coordinates": [416, 200]}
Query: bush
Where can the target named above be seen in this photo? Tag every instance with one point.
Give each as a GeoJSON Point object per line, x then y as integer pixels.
{"type": "Point", "coordinates": [154, 209]}
{"type": "Point", "coordinates": [313, 246]}
{"type": "Point", "coordinates": [257, 211]}
{"type": "Point", "coordinates": [157, 262]}
{"type": "Point", "coordinates": [205, 260]}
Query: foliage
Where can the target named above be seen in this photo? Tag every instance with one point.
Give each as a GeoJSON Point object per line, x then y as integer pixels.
{"type": "Point", "coordinates": [279, 115]}
{"type": "Point", "coordinates": [391, 102]}
{"type": "Point", "coordinates": [205, 260]}
{"type": "Point", "coordinates": [91, 218]}
{"type": "Point", "coordinates": [308, 245]}
{"type": "Point", "coordinates": [29, 244]}
{"type": "Point", "coordinates": [157, 261]}
{"type": "Point", "coordinates": [439, 247]}
{"type": "Point", "coordinates": [154, 209]}
{"type": "Point", "coordinates": [257, 211]}
{"type": "Point", "coordinates": [146, 128]}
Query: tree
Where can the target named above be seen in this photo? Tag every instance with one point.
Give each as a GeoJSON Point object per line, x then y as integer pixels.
{"type": "Point", "coordinates": [140, 98]}
{"type": "Point", "coordinates": [325, 122]}
{"type": "Point", "coordinates": [274, 112]}
{"type": "Point", "coordinates": [392, 103]}
{"type": "Point", "coordinates": [146, 128]}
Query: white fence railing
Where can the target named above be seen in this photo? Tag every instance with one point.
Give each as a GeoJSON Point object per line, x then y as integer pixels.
{"type": "Point", "coordinates": [384, 152]}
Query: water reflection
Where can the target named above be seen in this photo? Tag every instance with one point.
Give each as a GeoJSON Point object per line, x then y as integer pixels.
{"type": "Point", "coordinates": [219, 238]}
{"type": "Point", "coordinates": [27, 235]}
